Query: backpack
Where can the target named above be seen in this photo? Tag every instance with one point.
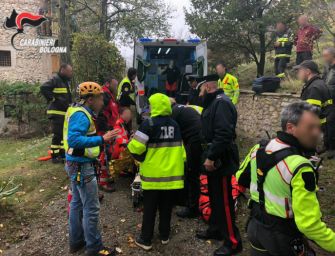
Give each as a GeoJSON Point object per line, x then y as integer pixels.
{"type": "Point", "coordinates": [266, 84]}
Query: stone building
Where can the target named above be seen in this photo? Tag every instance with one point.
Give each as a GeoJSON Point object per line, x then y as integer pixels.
{"type": "Point", "coordinates": [27, 63]}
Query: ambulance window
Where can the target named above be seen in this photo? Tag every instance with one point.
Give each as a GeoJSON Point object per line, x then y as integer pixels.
{"type": "Point", "coordinates": [5, 59]}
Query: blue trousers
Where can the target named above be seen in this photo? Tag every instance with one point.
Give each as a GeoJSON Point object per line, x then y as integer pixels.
{"type": "Point", "coordinates": [84, 207]}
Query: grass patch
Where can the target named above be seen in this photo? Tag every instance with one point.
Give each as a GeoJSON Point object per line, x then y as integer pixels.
{"type": "Point", "coordinates": [41, 182]}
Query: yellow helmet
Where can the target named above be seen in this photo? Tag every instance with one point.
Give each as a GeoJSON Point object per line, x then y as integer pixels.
{"type": "Point", "coordinates": [89, 88]}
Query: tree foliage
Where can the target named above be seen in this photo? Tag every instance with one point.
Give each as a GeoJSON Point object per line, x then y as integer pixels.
{"type": "Point", "coordinates": [94, 58]}
{"type": "Point", "coordinates": [123, 19]}
{"type": "Point", "coordinates": [240, 27]}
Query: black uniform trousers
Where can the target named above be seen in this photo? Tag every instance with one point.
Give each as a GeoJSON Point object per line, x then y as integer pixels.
{"type": "Point", "coordinates": [266, 241]}
{"type": "Point", "coordinates": [281, 65]}
{"type": "Point", "coordinates": [302, 56]}
{"type": "Point", "coordinates": [192, 174]}
{"type": "Point", "coordinates": [222, 219]}
{"type": "Point", "coordinates": [153, 200]}
{"type": "Point", "coordinates": [57, 148]}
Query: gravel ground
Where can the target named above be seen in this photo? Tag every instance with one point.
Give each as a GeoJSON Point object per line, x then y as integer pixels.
{"type": "Point", "coordinates": [120, 224]}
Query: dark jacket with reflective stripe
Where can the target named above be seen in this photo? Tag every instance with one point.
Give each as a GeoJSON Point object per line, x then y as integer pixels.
{"type": "Point", "coordinates": [189, 121]}
{"type": "Point", "coordinates": [219, 120]}
{"type": "Point", "coordinates": [285, 40]}
{"type": "Point", "coordinates": [317, 93]}
{"type": "Point", "coordinates": [57, 93]}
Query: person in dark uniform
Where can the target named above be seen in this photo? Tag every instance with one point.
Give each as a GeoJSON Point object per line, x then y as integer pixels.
{"type": "Point", "coordinates": [172, 76]}
{"type": "Point", "coordinates": [283, 44]}
{"type": "Point", "coordinates": [57, 93]}
{"type": "Point", "coordinates": [126, 89]}
{"type": "Point", "coordinates": [316, 92]}
{"type": "Point", "coordinates": [189, 121]}
{"type": "Point", "coordinates": [221, 161]}
{"type": "Point", "coordinates": [193, 97]}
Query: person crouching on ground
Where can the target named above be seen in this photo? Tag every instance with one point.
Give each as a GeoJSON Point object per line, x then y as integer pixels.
{"type": "Point", "coordinates": [82, 147]}
{"type": "Point", "coordinates": [158, 146]}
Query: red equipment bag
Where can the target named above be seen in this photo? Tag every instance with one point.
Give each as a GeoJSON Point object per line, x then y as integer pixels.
{"type": "Point", "coordinates": [204, 202]}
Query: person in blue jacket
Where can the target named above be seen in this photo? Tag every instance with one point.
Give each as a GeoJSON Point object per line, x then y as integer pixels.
{"type": "Point", "coordinates": [82, 147]}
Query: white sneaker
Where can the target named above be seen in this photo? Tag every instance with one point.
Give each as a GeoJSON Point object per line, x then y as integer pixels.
{"type": "Point", "coordinates": [165, 242]}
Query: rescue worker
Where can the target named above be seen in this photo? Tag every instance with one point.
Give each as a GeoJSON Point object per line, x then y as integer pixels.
{"type": "Point", "coordinates": [82, 147]}
{"type": "Point", "coordinates": [110, 113]}
{"type": "Point", "coordinates": [57, 93]}
{"type": "Point", "coordinates": [126, 89]}
{"type": "Point", "coordinates": [189, 120]}
{"type": "Point", "coordinates": [329, 78]}
{"type": "Point", "coordinates": [123, 136]}
{"type": "Point", "coordinates": [172, 78]}
{"type": "Point", "coordinates": [158, 146]}
{"type": "Point", "coordinates": [227, 82]}
{"type": "Point", "coordinates": [193, 97]}
{"type": "Point", "coordinates": [283, 184]}
{"type": "Point", "coordinates": [283, 43]}
{"type": "Point", "coordinates": [219, 119]}
{"type": "Point", "coordinates": [105, 121]}
{"type": "Point", "coordinates": [304, 40]}
{"type": "Point", "coordinates": [316, 93]}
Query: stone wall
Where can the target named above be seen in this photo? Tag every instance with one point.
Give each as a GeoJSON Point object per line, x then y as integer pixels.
{"type": "Point", "coordinates": [261, 113]}
{"type": "Point", "coordinates": [27, 65]}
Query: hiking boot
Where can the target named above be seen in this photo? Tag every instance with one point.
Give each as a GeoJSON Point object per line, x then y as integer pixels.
{"type": "Point", "coordinates": [206, 235]}
{"type": "Point", "coordinates": [109, 188]}
{"type": "Point", "coordinates": [227, 251]}
{"type": "Point", "coordinates": [142, 244]}
{"type": "Point", "coordinates": [187, 213]}
{"type": "Point", "coordinates": [77, 247]}
{"type": "Point", "coordinates": [57, 160]}
{"type": "Point", "coordinates": [105, 251]}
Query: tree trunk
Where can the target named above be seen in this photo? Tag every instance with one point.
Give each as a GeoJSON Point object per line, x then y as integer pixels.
{"type": "Point", "coordinates": [64, 32]}
{"type": "Point", "coordinates": [262, 54]}
{"type": "Point", "coordinates": [103, 28]}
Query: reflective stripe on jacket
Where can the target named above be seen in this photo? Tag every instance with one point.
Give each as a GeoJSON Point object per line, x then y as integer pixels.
{"type": "Point", "coordinates": [230, 86]}
{"type": "Point", "coordinates": [77, 145]}
{"type": "Point", "coordinates": [57, 92]}
{"type": "Point", "coordinates": [289, 193]}
{"type": "Point", "coordinates": [158, 146]}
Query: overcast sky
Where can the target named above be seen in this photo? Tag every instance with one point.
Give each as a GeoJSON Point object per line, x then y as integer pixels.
{"type": "Point", "coordinates": [178, 27]}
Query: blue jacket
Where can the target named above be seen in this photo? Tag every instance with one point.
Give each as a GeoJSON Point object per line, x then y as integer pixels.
{"type": "Point", "coordinates": [78, 127]}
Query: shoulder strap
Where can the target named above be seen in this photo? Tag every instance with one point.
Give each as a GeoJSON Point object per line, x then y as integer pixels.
{"type": "Point", "coordinates": [266, 162]}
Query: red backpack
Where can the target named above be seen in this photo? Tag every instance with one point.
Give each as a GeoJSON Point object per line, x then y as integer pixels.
{"type": "Point", "coordinates": [204, 203]}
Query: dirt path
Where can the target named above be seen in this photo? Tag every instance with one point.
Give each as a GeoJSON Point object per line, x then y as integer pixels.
{"type": "Point", "coordinates": [120, 224]}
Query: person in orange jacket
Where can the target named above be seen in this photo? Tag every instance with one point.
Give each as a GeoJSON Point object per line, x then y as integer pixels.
{"type": "Point", "coordinates": [122, 138]}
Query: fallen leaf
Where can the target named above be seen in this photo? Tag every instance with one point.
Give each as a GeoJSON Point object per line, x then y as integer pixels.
{"type": "Point", "coordinates": [118, 250]}
{"type": "Point", "coordinates": [209, 241]}
{"type": "Point", "coordinates": [1, 225]}
{"type": "Point", "coordinates": [123, 220]}
{"type": "Point", "coordinates": [54, 178]}
{"type": "Point", "coordinates": [41, 190]}
{"type": "Point", "coordinates": [1, 251]}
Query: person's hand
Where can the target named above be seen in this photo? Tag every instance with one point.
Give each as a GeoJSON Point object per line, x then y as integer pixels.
{"type": "Point", "coordinates": [209, 165]}
{"type": "Point", "coordinates": [108, 136]}
{"type": "Point", "coordinates": [202, 90]}
{"type": "Point", "coordinates": [277, 44]}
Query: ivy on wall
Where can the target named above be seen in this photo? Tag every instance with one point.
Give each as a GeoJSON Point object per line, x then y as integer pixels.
{"type": "Point", "coordinates": [23, 103]}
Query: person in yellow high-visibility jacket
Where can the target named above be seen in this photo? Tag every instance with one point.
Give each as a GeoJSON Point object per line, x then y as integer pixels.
{"type": "Point", "coordinates": [227, 82]}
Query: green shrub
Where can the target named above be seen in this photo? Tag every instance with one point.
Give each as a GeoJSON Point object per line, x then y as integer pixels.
{"type": "Point", "coordinates": [94, 58]}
